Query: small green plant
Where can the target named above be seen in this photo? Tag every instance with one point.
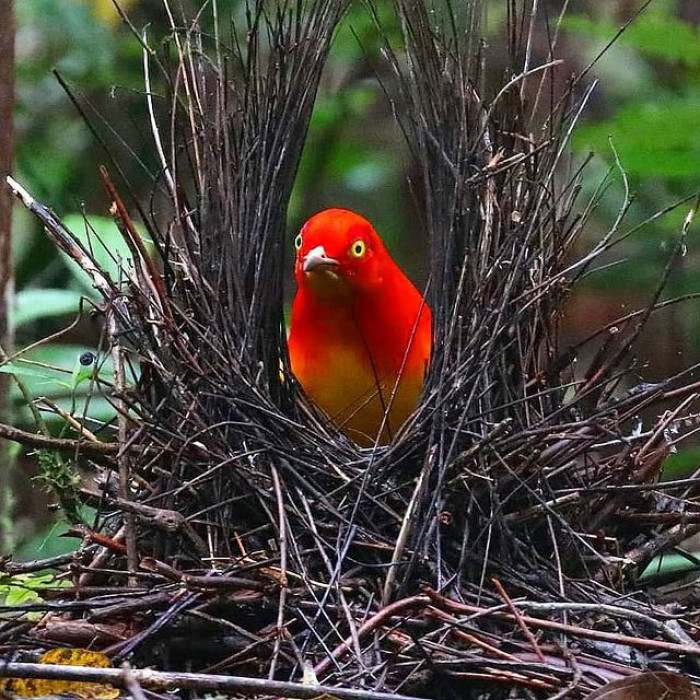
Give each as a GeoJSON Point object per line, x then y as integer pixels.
{"type": "Point", "coordinates": [26, 589]}
{"type": "Point", "coordinates": [60, 476]}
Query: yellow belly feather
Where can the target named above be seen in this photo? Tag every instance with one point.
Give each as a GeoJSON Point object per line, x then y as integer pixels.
{"type": "Point", "coordinates": [357, 400]}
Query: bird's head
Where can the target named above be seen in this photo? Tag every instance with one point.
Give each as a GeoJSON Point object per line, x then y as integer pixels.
{"type": "Point", "coordinates": [338, 252]}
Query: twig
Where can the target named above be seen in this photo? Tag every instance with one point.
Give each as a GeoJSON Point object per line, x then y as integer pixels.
{"type": "Point", "coordinates": [211, 582]}
{"type": "Point", "coordinates": [370, 625]}
{"type": "Point", "coordinates": [406, 525]}
{"type": "Point", "coordinates": [27, 567]}
{"type": "Point", "coordinates": [161, 681]}
{"type": "Point", "coordinates": [70, 419]}
{"type": "Point", "coordinates": [131, 683]}
{"type": "Point", "coordinates": [133, 239]}
{"type": "Point", "coordinates": [161, 518]}
{"type": "Point", "coordinates": [132, 556]}
{"type": "Point", "coordinates": [284, 583]}
{"type": "Point", "coordinates": [573, 630]}
{"type": "Point", "coordinates": [518, 618]}
{"type": "Point", "coordinates": [64, 239]}
{"type": "Point", "coordinates": [101, 558]}
{"type": "Point", "coordinates": [93, 449]}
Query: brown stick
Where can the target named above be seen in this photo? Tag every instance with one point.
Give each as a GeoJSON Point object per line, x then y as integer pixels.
{"type": "Point", "coordinates": [134, 241]}
{"type": "Point", "coordinates": [123, 461]}
{"type": "Point", "coordinates": [519, 619]}
{"type": "Point", "coordinates": [638, 642]}
{"type": "Point", "coordinates": [162, 681]}
{"type": "Point", "coordinates": [70, 419]}
{"type": "Point", "coordinates": [371, 624]}
{"type": "Point", "coordinates": [105, 449]}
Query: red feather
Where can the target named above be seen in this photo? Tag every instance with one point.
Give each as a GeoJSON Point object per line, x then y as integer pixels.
{"type": "Point", "coordinates": [360, 333]}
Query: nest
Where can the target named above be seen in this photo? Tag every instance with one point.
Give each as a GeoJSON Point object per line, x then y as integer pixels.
{"type": "Point", "coordinates": [495, 544]}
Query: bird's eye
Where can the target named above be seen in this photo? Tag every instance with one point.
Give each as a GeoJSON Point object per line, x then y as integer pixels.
{"type": "Point", "coordinates": [358, 249]}
{"type": "Point", "coordinates": [298, 241]}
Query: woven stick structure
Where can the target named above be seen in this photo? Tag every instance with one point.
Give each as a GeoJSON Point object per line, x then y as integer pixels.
{"type": "Point", "coordinates": [496, 543]}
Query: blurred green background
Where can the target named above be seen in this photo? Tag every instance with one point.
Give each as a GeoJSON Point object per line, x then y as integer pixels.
{"type": "Point", "coordinates": [646, 106]}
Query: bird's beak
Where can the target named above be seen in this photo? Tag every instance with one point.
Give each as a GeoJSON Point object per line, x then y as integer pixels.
{"type": "Point", "coordinates": [316, 259]}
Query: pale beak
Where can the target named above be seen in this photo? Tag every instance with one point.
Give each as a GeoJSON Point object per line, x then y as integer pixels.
{"type": "Point", "coordinates": [316, 259]}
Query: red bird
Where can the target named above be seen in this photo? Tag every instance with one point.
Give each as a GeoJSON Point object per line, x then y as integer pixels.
{"type": "Point", "coordinates": [360, 334]}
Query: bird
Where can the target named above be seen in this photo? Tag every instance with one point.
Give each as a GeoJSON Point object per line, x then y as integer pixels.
{"type": "Point", "coordinates": [360, 332]}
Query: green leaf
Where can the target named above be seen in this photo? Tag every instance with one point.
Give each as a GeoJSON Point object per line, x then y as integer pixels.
{"type": "Point", "coordinates": [34, 304]}
{"type": "Point", "coordinates": [35, 581]}
{"type": "Point", "coordinates": [665, 564]}
{"type": "Point", "coordinates": [659, 138]}
{"type": "Point", "coordinates": [98, 410]}
{"type": "Point", "coordinates": [651, 34]}
{"type": "Point", "coordinates": [17, 369]}
{"type": "Point", "coordinates": [57, 381]}
{"type": "Point", "coordinates": [25, 589]}
{"type": "Point", "coordinates": [50, 542]}
{"type": "Point", "coordinates": [16, 595]}
{"type": "Point", "coordinates": [681, 464]}
{"type": "Point", "coordinates": [54, 375]}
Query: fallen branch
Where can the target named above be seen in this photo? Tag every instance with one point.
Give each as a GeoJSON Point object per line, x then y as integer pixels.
{"type": "Point", "coordinates": [163, 681]}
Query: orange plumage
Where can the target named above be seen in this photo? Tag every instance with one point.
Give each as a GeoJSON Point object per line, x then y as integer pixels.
{"type": "Point", "coordinates": [360, 334]}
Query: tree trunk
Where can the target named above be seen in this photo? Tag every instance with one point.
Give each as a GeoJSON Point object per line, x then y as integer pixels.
{"type": "Point", "coordinates": [7, 55]}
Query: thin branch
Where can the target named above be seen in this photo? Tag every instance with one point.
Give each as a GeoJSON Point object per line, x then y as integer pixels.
{"type": "Point", "coordinates": [162, 681]}
{"type": "Point", "coordinates": [93, 449]}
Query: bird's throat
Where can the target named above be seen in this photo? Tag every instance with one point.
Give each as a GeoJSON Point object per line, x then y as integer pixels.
{"type": "Point", "coordinates": [326, 284]}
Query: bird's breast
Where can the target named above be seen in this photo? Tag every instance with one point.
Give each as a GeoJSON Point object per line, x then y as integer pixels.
{"type": "Point", "coordinates": [365, 373]}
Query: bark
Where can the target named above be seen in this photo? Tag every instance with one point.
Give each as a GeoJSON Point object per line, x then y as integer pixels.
{"type": "Point", "coordinates": [7, 55]}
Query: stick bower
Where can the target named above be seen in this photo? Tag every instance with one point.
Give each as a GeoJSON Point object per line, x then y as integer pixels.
{"type": "Point", "coordinates": [498, 542]}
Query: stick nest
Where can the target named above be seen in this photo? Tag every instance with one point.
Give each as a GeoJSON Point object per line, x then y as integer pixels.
{"type": "Point", "coordinates": [496, 543]}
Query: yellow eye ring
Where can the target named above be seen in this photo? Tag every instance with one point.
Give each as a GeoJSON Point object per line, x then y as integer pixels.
{"type": "Point", "coordinates": [358, 249]}
{"type": "Point", "coordinates": [298, 241]}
